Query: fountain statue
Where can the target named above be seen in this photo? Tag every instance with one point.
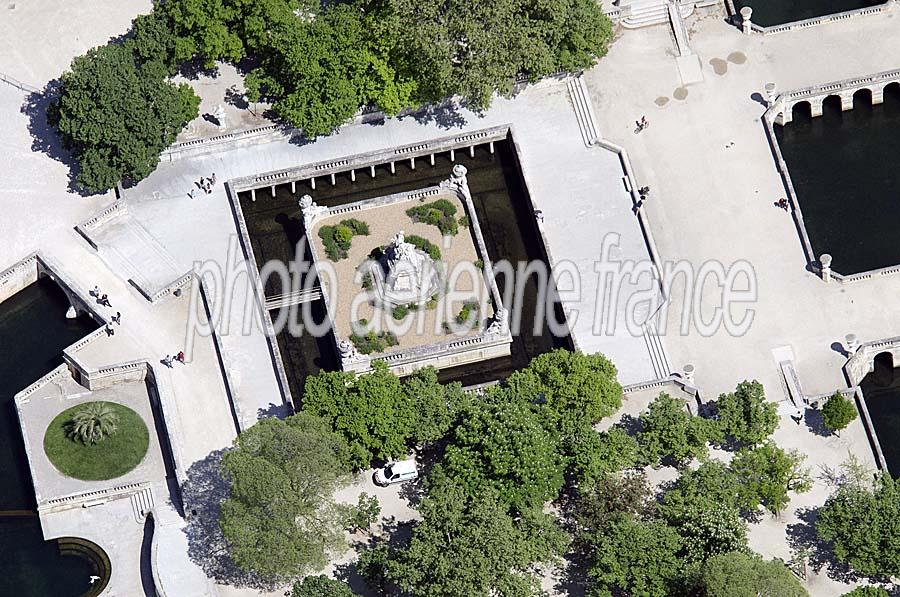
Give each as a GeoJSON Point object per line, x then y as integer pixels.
{"type": "Point", "coordinates": [405, 274]}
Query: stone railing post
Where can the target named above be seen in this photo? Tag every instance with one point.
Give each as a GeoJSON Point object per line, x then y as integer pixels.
{"type": "Point", "coordinates": [770, 94]}
{"type": "Point", "coordinates": [746, 13]}
{"type": "Point", "coordinates": [687, 373]}
{"type": "Point", "coordinates": [825, 263]}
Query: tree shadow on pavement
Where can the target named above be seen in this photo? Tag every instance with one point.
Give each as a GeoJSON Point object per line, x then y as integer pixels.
{"type": "Point", "coordinates": [203, 494]}
{"type": "Point", "coordinates": [445, 116]}
{"type": "Point", "coordinates": [44, 138]}
{"type": "Point", "coordinates": [815, 422]}
{"type": "Point", "coordinates": [802, 538]}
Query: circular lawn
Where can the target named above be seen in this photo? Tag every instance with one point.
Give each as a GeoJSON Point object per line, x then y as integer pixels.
{"type": "Point", "coordinates": [109, 458]}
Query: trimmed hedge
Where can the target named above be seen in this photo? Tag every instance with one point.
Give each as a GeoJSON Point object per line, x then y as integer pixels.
{"type": "Point", "coordinates": [440, 213]}
{"type": "Point", "coordinates": [337, 239]}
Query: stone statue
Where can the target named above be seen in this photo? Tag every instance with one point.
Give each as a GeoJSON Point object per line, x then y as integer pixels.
{"type": "Point", "coordinates": [405, 275]}
{"type": "Point", "coordinates": [310, 210]}
{"type": "Point", "coordinates": [500, 324]}
{"type": "Point", "coordinates": [348, 350]}
{"type": "Point", "coordinates": [458, 181]}
{"type": "Point", "coordinates": [219, 115]}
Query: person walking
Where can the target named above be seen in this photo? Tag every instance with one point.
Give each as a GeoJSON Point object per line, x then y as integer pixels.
{"type": "Point", "coordinates": [104, 300]}
{"type": "Point", "coordinates": [180, 357]}
{"type": "Point", "coordinates": [109, 330]}
{"type": "Point", "coordinates": [95, 292]}
{"type": "Point", "coordinates": [117, 318]}
{"type": "Point", "coordinates": [167, 361]}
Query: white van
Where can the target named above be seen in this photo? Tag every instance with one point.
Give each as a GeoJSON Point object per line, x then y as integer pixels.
{"type": "Point", "coordinates": [397, 472]}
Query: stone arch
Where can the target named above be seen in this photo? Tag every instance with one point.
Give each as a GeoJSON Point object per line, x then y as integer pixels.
{"type": "Point", "coordinates": [891, 95]}
{"type": "Point", "coordinates": [883, 368]}
{"type": "Point", "coordinates": [862, 98]}
{"type": "Point", "coordinates": [832, 101]}
{"type": "Point", "coordinates": [802, 111]}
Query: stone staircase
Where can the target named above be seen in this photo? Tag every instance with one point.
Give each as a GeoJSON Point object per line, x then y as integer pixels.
{"type": "Point", "coordinates": [584, 110]}
{"type": "Point", "coordinates": [142, 504]}
{"type": "Point", "coordinates": [644, 13]}
{"type": "Point", "coordinates": [658, 356]}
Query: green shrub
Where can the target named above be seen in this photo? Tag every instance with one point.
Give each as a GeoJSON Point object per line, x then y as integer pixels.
{"type": "Point", "coordinates": [373, 342]}
{"type": "Point", "coordinates": [367, 281]}
{"type": "Point", "coordinates": [337, 239]}
{"type": "Point", "coordinates": [399, 312]}
{"type": "Point", "coordinates": [423, 244]}
{"type": "Point", "coordinates": [440, 213]}
{"type": "Point", "coordinates": [479, 263]}
{"type": "Point", "coordinates": [464, 221]}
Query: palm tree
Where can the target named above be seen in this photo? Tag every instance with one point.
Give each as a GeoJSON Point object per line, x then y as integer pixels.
{"type": "Point", "coordinates": [93, 422]}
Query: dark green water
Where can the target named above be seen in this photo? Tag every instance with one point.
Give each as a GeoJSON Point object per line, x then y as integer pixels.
{"type": "Point", "coordinates": [507, 222]}
{"type": "Point", "coordinates": [769, 13]}
{"type": "Point", "coordinates": [845, 167]}
{"type": "Point", "coordinates": [33, 333]}
{"type": "Point", "coordinates": [881, 390]}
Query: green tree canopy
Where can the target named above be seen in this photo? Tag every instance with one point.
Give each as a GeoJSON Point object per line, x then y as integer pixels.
{"type": "Point", "coordinates": [605, 499]}
{"type": "Point", "coordinates": [709, 530]}
{"type": "Point", "coordinates": [668, 430]}
{"type": "Point", "coordinates": [710, 484]}
{"type": "Point", "coordinates": [746, 415]}
{"type": "Point", "coordinates": [867, 591]}
{"type": "Point", "coordinates": [472, 50]}
{"type": "Point", "coordinates": [740, 574]}
{"type": "Point", "coordinates": [436, 405]}
{"type": "Point", "coordinates": [638, 558]}
{"type": "Point", "coordinates": [469, 544]}
{"type": "Point", "coordinates": [116, 117]}
{"type": "Point", "coordinates": [280, 520]}
{"type": "Point", "coordinates": [863, 525]}
{"type": "Point", "coordinates": [596, 454]}
{"type": "Point", "coordinates": [571, 389]}
{"type": "Point", "coordinates": [838, 412]}
{"type": "Point", "coordinates": [321, 586]}
{"type": "Point", "coordinates": [768, 474]}
{"type": "Point", "coordinates": [502, 445]}
{"type": "Point", "coordinates": [372, 411]}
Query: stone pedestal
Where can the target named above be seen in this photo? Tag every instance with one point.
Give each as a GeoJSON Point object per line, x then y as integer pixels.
{"type": "Point", "coordinates": [746, 14]}
{"type": "Point", "coordinates": [687, 373]}
{"type": "Point", "coordinates": [825, 263]}
{"type": "Point", "coordinates": [770, 94]}
{"type": "Point", "coordinates": [852, 343]}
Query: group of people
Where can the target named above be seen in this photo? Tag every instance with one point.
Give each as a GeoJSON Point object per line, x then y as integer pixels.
{"type": "Point", "coordinates": [170, 359]}
{"type": "Point", "coordinates": [204, 184]}
{"type": "Point", "coordinates": [642, 124]}
{"type": "Point", "coordinates": [103, 299]}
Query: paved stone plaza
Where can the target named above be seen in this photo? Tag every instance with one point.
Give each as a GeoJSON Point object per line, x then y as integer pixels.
{"type": "Point", "coordinates": [706, 158]}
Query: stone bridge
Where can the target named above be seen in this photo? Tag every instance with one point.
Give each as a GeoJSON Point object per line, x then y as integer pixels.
{"type": "Point", "coordinates": [868, 88]}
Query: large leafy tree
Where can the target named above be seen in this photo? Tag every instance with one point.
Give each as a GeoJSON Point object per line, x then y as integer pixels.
{"type": "Point", "coordinates": [838, 412]}
{"type": "Point", "coordinates": [319, 71]}
{"type": "Point", "coordinates": [745, 415]}
{"type": "Point", "coordinates": [709, 530]}
{"type": "Point", "coordinates": [604, 499]}
{"type": "Point", "coordinates": [372, 412]}
{"type": "Point", "coordinates": [863, 525]}
{"type": "Point", "coordinates": [637, 557]}
{"type": "Point", "coordinates": [709, 485]}
{"type": "Point", "coordinates": [280, 520]}
{"type": "Point", "coordinates": [436, 405]}
{"type": "Point", "coordinates": [203, 29]}
{"type": "Point", "coordinates": [469, 544]}
{"type": "Point", "coordinates": [573, 388]}
{"type": "Point", "coordinates": [739, 574]}
{"type": "Point", "coordinates": [474, 49]}
{"type": "Point", "coordinates": [502, 446]}
{"type": "Point", "coordinates": [768, 474]}
{"type": "Point", "coordinates": [669, 431]}
{"type": "Point", "coordinates": [596, 454]}
{"type": "Point", "coordinates": [321, 586]}
{"type": "Point", "coordinates": [116, 117]}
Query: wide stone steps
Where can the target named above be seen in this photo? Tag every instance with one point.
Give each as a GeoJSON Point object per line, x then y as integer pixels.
{"type": "Point", "coordinates": [142, 504]}
{"type": "Point", "coordinates": [644, 13]}
{"type": "Point", "coordinates": [584, 110]}
{"type": "Point", "coordinates": [658, 356]}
